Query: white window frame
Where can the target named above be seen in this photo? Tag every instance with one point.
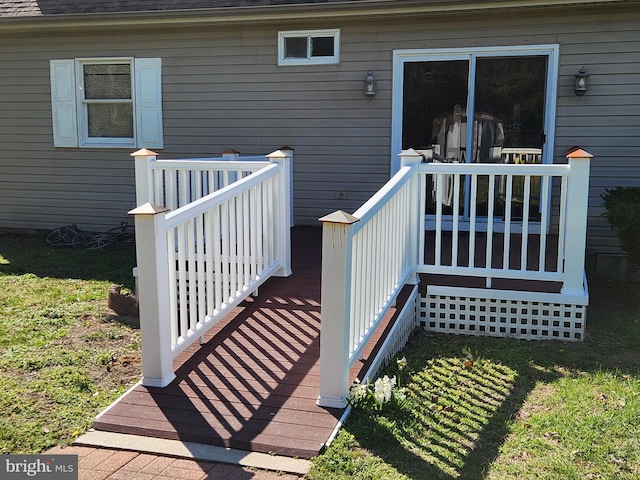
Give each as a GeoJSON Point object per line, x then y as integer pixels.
{"type": "Point", "coordinates": [83, 104]}
{"type": "Point", "coordinates": [309, 60]}
{"type": "Point", "coordinates": [69, 109]}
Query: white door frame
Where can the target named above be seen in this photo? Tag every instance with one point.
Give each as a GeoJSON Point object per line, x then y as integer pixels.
{"type": "Point", "coordinates": [400, 57]}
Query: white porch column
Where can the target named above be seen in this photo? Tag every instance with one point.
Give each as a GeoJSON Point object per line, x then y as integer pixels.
{"type": "Point", "coordinates": [576, 223]}
{"type": "Point", "coordinates": [153, 295]}
{"type": "Point", "coordinates": [144, 179]}
{"type": "Point", "coordinates": [411, 158]}
{"type": "Point", "coordinates": [283, 217]}
{"type": "Point", "coordinates": [335, 309]}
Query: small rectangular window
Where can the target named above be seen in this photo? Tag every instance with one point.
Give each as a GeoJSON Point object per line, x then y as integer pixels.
{"type": "Point", "coordinates": [295, 47]}
{"type": "Point", "coordinates": [322, 46]}
{"type": "Point", "coordinates": [309, 47]}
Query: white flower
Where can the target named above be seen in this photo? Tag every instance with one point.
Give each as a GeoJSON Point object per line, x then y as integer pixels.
{"type": "Point", "coordinates": [383, 389]}
{"type": "Point", "coordinates": [358, 393]}
{"type": "Point", "coordinates": [400, 394]}
{"type": "Point", "coordinates": [402, 363]}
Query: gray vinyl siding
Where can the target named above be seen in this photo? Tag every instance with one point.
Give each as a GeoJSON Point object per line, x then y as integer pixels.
{"type": "Point", "coordinates": [222, 89]}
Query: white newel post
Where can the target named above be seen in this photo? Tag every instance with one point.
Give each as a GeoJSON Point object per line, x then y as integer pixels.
{"type": "Point", "coordinates": [230, 154]}
{"type": "Point", "coordinates": [283, 222]}
{"type": "Point", "coordinates": [289, 173]}
{"type": "Point", "coordinates": [576, 223]}
{"type": "Point", "coordinates": [411, 158]}
{"type": "Point", "coordinates": [144, 185]}
{"type": "Point", "coordinates": [153, 295]}
{"type": "Point", "coordinates": [337, 244]}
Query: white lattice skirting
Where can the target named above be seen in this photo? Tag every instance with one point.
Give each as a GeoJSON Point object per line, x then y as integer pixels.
{"type": "Point", "coordinates": [501, 313]}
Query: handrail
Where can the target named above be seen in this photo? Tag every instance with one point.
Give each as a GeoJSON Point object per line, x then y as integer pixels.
{"type": "Point", "coordinates": [496, 168]}
{"type": "Point", "coordinates": [382, 196]}
{"type": "Point", "coordinates": [209, 164]}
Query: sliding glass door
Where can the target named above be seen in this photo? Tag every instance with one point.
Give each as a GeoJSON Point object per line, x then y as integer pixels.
{"type": "Point", "coordinates": [482, 106]}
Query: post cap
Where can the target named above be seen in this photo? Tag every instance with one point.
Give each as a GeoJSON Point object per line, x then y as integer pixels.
{"type": "Point", "coordinates": [230, 151]}
{"type": "Point", "coordinates": [409, 153]}
{"type": "Point", "coordinates": [143, 152]}
{"type": "Point", "coordinates": [339, 217]}
{"type": "Point", "coordinates": [579, 153]}
{"type": "Point", "coordinates": [148, 209]}
{"type": "Point", "coordinates": [278, 154]}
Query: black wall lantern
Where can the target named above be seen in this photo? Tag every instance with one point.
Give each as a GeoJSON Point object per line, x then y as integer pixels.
{"type": "Point", "coordinates": [370, 86]}
{"type": "Point", "coordinates": [581, 82]}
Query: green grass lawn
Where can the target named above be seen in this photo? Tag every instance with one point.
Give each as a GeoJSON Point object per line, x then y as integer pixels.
{"type": "Point", "coordinates": [485, 408]}
{"type": "Point", "coordinates": [61, 359]}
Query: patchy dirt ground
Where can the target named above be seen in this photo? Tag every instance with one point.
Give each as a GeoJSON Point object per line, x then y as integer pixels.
{"type": "Point", "coordinates": [117, 337]}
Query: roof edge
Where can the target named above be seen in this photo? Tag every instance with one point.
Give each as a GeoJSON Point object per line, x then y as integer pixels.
{"type": "Point", "coordinates": [280, 13]}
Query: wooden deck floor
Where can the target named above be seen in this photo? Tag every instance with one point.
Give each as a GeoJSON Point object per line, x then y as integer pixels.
{"type": "Point", "coordinates": [253, 385]}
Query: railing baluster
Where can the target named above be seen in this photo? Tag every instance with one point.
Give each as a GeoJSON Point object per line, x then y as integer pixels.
{"type": "Point", "coordinates": [382, 279]}
{"type": "Point", "coordinates": [225, 257]}
{"type": "Point", "coordinates": [259, 225]}
{"type": "Point", "coordinates": [422, 185]}
{"type": "Point", "coordinates": [472, 221]}
{"type": "Point", "coordinates": [253, 215]}
{"type": "Point", "coordinates": [173, 284]}
{"type": "Point", "coordinates": [507, 223]}
{"type": "Point", "coordinates": [233, 245]}
{"type": "Point", "coordinates": [439, 186]}
{"type": "Point", "coordinates": [170, 191]}
{"type": "Point", "coordinates": [455, 233]}
{"type": "Point", "coordinates": [158, 194]}
{"type": "Point", "coordinates": [217, 254]}
{"type": "Point", "coordinates": [544, 220]}
{"type": "Point", "coordinates": [210, 255]}
{"type": "Point", "coordinates": [562, 223]}
{"type": "Point", "coordinates": [196, 186]}
{"type": "Point", "coordinates": [192, 276]}
{"type": "Point", "coordinates": [359, 308]}
{"type": "Point", "coordinates": [183, 287]}
{"type": "Point", "coordinates": [525, 223]}
{"type": "Point", "coordinates": [490, 211]}
{"type": "Point", "coordinates": [200, 270]}
{"type": "Point", "coordinates": [183, 187]}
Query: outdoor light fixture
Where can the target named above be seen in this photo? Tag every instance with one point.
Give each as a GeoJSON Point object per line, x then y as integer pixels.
{"type": "Point", "coordinates": [370, 86]}
{"type": "Point", "coordinates": [581, 82]}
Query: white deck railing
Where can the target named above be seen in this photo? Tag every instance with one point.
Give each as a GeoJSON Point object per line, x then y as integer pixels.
{"type": "Point", "coordinates": [228, 235]}
{"type": "Point", "coordinates": [174, 183]}
{"type": "Point", "coordinates": [355, 292]}
{"type": "Point", "coordinates": [495, 260]}
{"type": "Point", "coordinates": [367, 258]}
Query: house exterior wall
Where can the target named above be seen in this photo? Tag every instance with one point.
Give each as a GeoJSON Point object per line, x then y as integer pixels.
{"type": "Point", "coordinates": [222, 89]}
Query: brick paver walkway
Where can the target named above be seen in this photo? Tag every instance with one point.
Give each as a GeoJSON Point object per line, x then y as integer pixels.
{"type": "Point", "coordinates": [102, 464]}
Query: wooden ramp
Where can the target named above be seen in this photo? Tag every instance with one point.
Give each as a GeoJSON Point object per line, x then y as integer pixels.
{"type": "Point", "coordinates": [253, 385]}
